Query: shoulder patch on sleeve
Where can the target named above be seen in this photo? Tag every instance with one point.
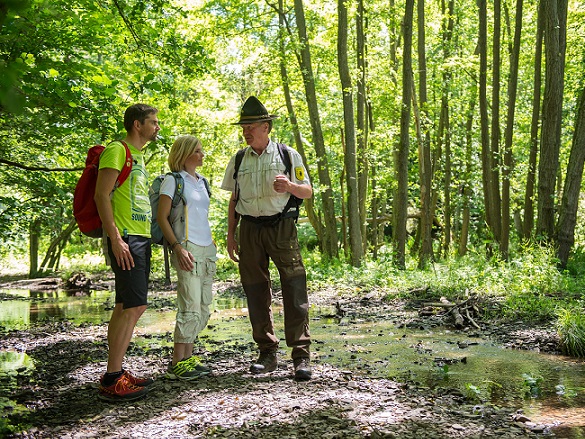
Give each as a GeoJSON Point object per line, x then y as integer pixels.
{"type": "Point", "coordinates": [300, 173]}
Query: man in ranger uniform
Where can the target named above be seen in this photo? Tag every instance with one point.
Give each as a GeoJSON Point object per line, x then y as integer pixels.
{"type": "Point", "coordinates": [262, 193]}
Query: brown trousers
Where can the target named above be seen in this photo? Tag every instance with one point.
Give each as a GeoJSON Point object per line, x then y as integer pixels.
{"type": "Point", "coordinates": [258, 243]}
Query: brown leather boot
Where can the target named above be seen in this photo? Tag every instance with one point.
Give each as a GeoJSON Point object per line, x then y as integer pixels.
{"type": "Point", "coordinates": [266, 362]}
{"type": "Point", "coordinates": [302, 369]}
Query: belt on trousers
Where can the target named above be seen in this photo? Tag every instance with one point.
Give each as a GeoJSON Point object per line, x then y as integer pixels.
{"type": "Point", "coordinates": [269, 220]}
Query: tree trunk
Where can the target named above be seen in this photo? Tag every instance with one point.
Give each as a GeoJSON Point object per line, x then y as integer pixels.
{"type": "Point", "coordinates": [330, 232]}
{"type": "Point", "coordinates": [353, 205]}
{"type": "Point", "coordinates": [466, 191]}
{"type": "Point", "coordinates": [486, 161]}
{"type": "Point", "coordinates": [426, 213]}
{"type": "Point", "coordinates": [33, 250]}
{"type": "Point", "coordinates": [572, 189]}
{"type": "Point", "coordinates": [555, 23]}
{"type": "Point", "coordinates": [495, 161]}
{"type": "Point", "coordinates": [445, 119]}
{"type": "Point", "coordinates": [528, 223]}
{"type": "Point", "coordinates": [362, 117]}
{"type": "Point", "coordinates": [399, 214]}
{"type": "Point", "coordinates": [53, 256]}
{"type": "Point", "coordinates": [299, 146]}
{"type": "Point", "coordinates": [509, 131]}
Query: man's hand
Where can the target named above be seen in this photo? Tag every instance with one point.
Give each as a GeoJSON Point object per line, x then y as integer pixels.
{"type": "Point", "coordinates": [281, 184]}
{"type": "Point", "coordinates": [232, 247]}
{"type": "Point", "coordinates": [122, 253]}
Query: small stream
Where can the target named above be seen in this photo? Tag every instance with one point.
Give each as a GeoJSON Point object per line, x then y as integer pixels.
{"type": "Point", "coordinates": [549, 388]}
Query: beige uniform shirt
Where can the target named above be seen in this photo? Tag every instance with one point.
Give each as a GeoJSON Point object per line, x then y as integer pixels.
{"type": "Point", "coordinates": [256, 177]}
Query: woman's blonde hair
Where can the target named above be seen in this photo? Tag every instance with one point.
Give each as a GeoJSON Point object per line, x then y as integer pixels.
{"type": "Point", "coordinates": [183, 148]}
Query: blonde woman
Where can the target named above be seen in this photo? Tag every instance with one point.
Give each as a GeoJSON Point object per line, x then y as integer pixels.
{"type": "Point", "coordinates": [193, 253]}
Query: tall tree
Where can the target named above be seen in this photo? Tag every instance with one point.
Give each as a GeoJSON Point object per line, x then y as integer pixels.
{"type": "Point", "coordinates": [309, 203]}
{"type": "Point", "coordinates": [355, 230]}
{"type": "Point", "coordinates": [486, 155]}
{"type": "Point", "coordinates": [362, 112]}
{"type": "Point", "coordinates": [565, 230]}
{"type": "Point", "coordinates": [509, 131]}
{"type": "Point", "coordinates": [330, 232]}
{"type": "Point", "coordinates": [402, 148]}
{"type": "Point", "coordinates": [424, 156]}
{"type": "Point", "coordinates": [528, 223]}
{"type": "Point", "coordinates": [494, 147]}
{"type": "Point", "coordinates": [555, 28]}
{"type": "Point", "coordinates": [444, 137]}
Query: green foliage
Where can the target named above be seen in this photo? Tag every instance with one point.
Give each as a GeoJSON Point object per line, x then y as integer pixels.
{"type": "Point", "coordinates": [571, 330]}
{"type": "Point", "coordinates": [532, 385]}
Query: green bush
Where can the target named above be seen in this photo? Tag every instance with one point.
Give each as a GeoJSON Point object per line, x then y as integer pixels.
{"type": "Point", "coordinates": [571, 330]}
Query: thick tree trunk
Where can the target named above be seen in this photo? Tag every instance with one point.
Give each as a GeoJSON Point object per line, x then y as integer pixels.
{"type": "Point", "coordinates": [555, 23]}
{"type": "Point", "coordinates": [572, 189]}
{"type": "Point", "coordinates": [399, 214]}
{"type": "Point", "coordinates": [425, 171]}
{"type": "Point", "coordinates": [528, 223]}
{"type": "Point", "coordinates": [353, 205]}
{"type": "Point", "coordinates": [495, 160]}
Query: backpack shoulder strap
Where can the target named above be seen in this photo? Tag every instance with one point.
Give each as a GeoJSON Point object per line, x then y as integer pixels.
{"type": "Point", "coordinates": [127, 168]}
{"type": "Point", "coordinates": [179, 189]}
{"type": "Point", "coordinates": [206, 183]}
{"type": "Point", "coordinates": [285, 156]}
{"type": "Point", "coordinates": [238, 162]}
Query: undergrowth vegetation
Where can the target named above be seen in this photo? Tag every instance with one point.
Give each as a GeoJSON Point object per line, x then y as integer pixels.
{"type": "Point", "coordinates": [529, 287]}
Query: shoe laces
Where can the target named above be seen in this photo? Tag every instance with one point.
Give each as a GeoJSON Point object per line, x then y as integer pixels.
{"type": "Point", "coordinates": [124, 383]}
{"type": "Point", "coordinates": [192, 361]}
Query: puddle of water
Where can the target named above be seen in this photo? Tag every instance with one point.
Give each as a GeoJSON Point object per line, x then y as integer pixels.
{"type": "Point", "coordinates": [550, 389]}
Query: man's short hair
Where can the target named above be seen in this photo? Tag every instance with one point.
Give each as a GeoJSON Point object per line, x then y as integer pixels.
{"type": "Point", "coordinates": [137, 112]}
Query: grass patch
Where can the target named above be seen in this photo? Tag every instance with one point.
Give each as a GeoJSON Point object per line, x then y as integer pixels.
{"type": "Point", "coordinates": [571, 330]}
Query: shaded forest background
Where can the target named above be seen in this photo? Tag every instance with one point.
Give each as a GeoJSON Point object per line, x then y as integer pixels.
{"type": "Point", "coordinates": [428, 129]}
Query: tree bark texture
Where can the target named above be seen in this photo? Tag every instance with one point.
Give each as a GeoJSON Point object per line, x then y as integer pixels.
{"type": "Point", "coordinates": [399, 214]}
{"type": "Point", "coordinates": [555, 22]}
{"type": "Point", "coordinates": [509, 132]}
{"type": "Point", "coordinates": [330, 232]}
{"type": "Point", "coordinates": [572, 189]}
{"type": "Point", "coordinates": [353, 205]}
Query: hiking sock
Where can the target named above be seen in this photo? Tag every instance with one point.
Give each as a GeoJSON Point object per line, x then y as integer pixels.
{"type": "Point", "coordinates": [111, 377]}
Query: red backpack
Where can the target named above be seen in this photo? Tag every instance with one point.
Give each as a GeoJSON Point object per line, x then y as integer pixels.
{"type": "Point", "coordinates": [84, 207]}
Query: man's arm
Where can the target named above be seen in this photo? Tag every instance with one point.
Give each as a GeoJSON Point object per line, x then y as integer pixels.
{"type": "Point", "coordinates": [105, 184]}
{"type": "Point", "coordinates": [282, 184]}
{"type": "Point", "coordinates": [233, 219]}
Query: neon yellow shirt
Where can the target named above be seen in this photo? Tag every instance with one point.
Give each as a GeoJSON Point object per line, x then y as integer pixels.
{"type": "Point", "coordinates": [130, 202]}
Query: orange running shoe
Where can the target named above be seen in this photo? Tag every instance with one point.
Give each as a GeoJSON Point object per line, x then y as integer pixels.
{"type": "Point", "coordinates": [121, 390]}
{"type": "Point", "coordinates": [137, 381]}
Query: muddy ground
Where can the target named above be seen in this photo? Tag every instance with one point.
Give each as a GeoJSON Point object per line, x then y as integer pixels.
{"type": "Point", "coordinates": [60, 392]}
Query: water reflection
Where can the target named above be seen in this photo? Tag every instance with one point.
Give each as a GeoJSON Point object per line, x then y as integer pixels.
{"type": "Point", "coordinates": [549, 388]}
{"type": "Point", "coordinates": [52, 305]}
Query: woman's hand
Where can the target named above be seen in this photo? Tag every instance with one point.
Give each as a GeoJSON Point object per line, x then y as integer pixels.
{"type": "Point", "coordinates": [184, 258]}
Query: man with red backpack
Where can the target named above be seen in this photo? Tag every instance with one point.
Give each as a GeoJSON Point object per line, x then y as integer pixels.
{"type": "Point", "coordinates": [125, 215]}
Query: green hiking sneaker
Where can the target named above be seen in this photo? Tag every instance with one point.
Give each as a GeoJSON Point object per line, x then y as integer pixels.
{"type": "Point", "coordinates": [188, 369]}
